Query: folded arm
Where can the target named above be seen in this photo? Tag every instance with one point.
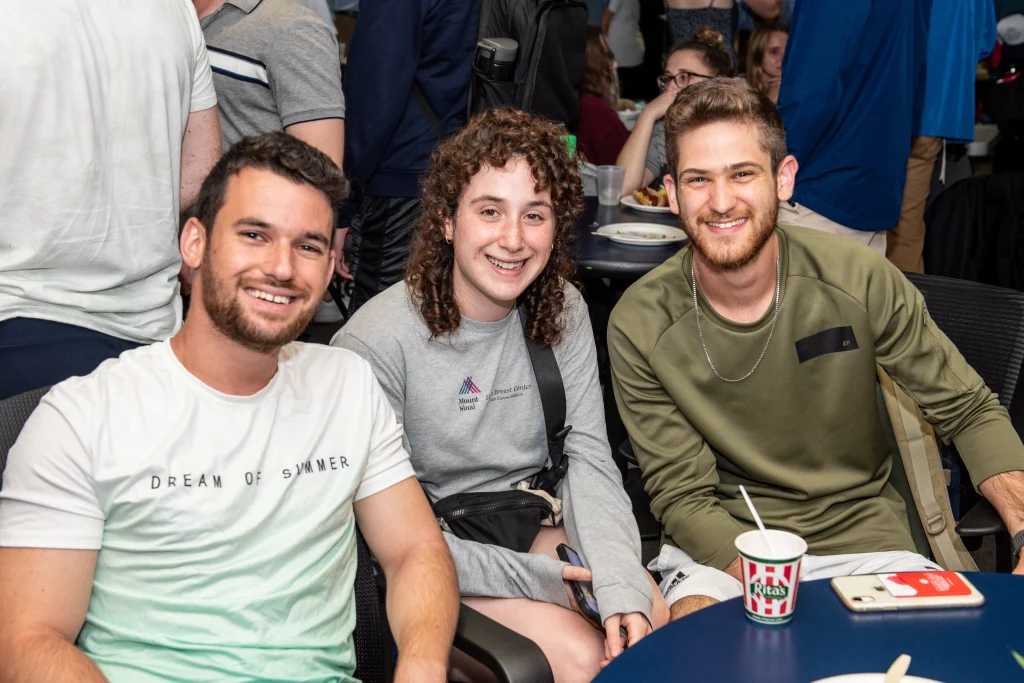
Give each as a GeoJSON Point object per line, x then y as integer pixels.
{"type": "Point", "coordinates": [423, 594]}
{"type": "Point", "coordinates": [633, 156]}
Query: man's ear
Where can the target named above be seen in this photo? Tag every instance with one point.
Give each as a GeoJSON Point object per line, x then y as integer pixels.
{"type": "Point", "coordinates": [785, 178]}
{"type": "Point", "coordinates": [670, 190]}
{"type": "Point", "coordinates": [192, 243]}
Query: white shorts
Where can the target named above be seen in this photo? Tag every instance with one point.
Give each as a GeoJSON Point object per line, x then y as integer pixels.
{"type": "Point", "coordinates": [681, 576]}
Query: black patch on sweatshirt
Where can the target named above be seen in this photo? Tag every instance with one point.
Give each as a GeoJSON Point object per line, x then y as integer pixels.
{"type": "Point", "coordinates": [828, 341]}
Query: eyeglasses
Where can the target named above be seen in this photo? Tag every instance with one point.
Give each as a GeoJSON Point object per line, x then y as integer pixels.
{"type": "Point", "coordinates": [682, 79]}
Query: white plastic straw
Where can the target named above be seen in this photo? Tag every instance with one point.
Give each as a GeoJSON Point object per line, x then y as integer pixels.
{"type": "Point", "coordinates": [757, 519]}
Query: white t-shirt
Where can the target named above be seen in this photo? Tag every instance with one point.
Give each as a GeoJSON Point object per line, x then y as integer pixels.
{"type": "Point", "coordinates": [624, 33]}
{"type": "Point", "coordinates": [224, 524]}
{"type": "Point", "coordinates": [94, 99]}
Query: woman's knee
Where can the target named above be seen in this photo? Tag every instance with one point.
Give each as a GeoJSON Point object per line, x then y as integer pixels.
{"type": "Point", "coordinates": [575, 657]}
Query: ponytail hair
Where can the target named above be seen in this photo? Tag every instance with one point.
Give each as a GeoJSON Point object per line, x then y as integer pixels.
{"type": "Point", "coordinates": [710, 45]}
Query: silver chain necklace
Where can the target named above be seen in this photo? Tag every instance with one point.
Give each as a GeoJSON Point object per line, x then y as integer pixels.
{"type": "Point", "coordinates": [775, 319]}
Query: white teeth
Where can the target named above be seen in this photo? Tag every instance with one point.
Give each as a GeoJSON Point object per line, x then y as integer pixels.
{"type": "Point", "coordinates": [269, 297]}
{"type": "Point", "coordinates": [730, 224]}
{"type": "Point", "coordinates": [506, 265]}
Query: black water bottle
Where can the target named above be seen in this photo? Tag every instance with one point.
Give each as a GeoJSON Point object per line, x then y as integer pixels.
{"type": "Point", "coordinates": [496, 59]}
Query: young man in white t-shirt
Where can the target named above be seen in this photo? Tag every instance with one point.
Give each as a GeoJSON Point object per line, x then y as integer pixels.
{"type": "Point", "coordinates": [187, 512]}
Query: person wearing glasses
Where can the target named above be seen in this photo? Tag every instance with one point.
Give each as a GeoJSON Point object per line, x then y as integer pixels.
{"type": "Point", "coordinates": [698, 59]}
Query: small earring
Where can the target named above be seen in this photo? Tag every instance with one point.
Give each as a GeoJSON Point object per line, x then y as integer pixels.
{"type": "Point", "coordinates": [448, 239]}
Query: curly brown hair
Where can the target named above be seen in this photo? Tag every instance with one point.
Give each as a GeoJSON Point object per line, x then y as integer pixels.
{"type": "Point", "coordinates": [494, 138]}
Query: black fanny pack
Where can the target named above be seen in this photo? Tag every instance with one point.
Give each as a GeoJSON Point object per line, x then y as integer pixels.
{"type": "Point", "coordinates": [511, 519]}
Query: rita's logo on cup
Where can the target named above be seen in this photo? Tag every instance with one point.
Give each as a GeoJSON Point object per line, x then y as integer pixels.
{"type": "Point", "coordinates": [769, 592]}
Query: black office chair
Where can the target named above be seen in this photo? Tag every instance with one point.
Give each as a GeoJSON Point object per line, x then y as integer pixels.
{"type": "Point", "coordinates": [974, 231]}
{"type": "Point", "coordinates": [509, 656]}
{"type": "Point", "coordinates": [986, 324]}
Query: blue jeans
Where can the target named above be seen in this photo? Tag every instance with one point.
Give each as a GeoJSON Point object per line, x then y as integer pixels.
{"type": "Point", "coordinates": [38, 353]}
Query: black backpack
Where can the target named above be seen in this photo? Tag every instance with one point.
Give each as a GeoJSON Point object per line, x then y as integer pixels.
{"type": "Point", "coordinates": [552, 38]}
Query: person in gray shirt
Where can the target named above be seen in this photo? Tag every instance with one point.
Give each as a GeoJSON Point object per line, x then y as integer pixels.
{"type": "Point", "coordinates": [500, 203]}
{"type": "Point", "coordinates": [276, 67]}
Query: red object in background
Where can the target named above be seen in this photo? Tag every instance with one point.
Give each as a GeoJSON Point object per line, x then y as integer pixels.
{"type": "Point", "coordinates": [600, 134]}
{"type": "Point", "coordinates": [995, 56]}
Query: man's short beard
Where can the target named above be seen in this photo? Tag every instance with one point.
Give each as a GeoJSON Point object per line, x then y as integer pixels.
{"type": "Point", "coordinates": [760, 231]}
{"type": "Point", "coordinates": [227, 315]}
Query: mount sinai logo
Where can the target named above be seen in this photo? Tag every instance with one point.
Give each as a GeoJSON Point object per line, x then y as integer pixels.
{"type": "Point", "coordinates": [468, 387]}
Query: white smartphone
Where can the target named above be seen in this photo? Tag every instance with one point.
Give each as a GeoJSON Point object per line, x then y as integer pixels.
{"type": "Point", "coordinates": [906, 591]}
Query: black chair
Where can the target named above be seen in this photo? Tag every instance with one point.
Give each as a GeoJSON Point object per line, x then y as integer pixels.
{"type": "Point", "coordinates": [974, 231]}
{"type": "Point", "coordinates": [511, 657]}
{"type": "Point", "coordinates": [986, 324]}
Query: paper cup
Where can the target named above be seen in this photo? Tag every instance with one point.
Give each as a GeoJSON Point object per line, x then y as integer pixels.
{"type": "Point", "coordinates": [770, 581]}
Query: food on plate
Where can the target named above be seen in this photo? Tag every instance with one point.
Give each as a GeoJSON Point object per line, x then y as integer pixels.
{"type": "Point", "coordinates": [649, 197]}
{"type": "Point", "coordinates": [642, 235]}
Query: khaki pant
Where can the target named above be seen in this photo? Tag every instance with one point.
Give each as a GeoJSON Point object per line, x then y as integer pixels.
{"type": "Point", "coordinates": [906, 241]}
{"type": "Point", "coordinates": [801, 216]}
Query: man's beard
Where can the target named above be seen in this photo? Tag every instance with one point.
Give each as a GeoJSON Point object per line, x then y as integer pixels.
{"type": "Point", "coordinates": [228, 316]}
{"type": "Point", "coordinates": [744, 247]}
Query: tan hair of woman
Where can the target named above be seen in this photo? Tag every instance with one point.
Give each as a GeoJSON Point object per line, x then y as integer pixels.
{"type": "Point", "coordinates": [764, 58]}
{"type": "Point", "coordinates": [599, 72]}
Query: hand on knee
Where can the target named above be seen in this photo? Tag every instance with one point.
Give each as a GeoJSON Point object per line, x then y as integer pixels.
{"type": "Point", "coordinates": [690, 604]}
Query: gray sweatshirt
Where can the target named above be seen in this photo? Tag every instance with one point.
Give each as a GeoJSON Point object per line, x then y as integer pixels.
{"type": "Point", "coordinates": [473, 422]}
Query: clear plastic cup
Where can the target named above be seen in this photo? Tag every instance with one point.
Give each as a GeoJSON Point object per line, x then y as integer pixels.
{"type": "Point", "coordinates": [770, 580]}
{"type": "Point", "coordinates": [609, 184]}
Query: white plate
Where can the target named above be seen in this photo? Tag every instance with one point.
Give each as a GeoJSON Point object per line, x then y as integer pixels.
{"type": "Point", "coordinates": [634, 204]}
{"type": "Point", "coordinates": [872, 678]}
{"type": "Point", "coordinates": [643, 234]}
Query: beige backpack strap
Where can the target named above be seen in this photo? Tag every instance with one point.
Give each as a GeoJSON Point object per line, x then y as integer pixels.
{"type": "Point", "coordinates": [920, 453]}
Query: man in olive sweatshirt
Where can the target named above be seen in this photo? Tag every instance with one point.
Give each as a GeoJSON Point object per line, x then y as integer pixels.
{"type": "Point", "coordinates": [762, 373]}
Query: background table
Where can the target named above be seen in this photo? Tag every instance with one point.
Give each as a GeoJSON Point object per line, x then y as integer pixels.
{"type": "Point", "coordinates": [720, 645]}
{"type": "Point", "coordinates": [600, 257]}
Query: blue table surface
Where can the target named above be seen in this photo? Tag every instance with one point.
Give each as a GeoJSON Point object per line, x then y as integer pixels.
{"type": "Point", "coordinates": [601, 257]}
{"type": "Point", "coordinates": [720, 644]}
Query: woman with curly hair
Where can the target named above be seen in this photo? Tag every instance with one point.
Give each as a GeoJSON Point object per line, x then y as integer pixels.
{"type": "Point", "coordinates": [494, 242]}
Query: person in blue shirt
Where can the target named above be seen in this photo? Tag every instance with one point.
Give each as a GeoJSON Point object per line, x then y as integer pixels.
{"type": "Point", "coordinates": [847, 102]}
{"type": "Point", "coordinates": [398, 45]}
{"type": "Point", "coordinates": [960, 34]}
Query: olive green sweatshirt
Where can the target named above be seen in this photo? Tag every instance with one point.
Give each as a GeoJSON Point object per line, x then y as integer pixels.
{"type": "Point", "coordinates": [803, 433]}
